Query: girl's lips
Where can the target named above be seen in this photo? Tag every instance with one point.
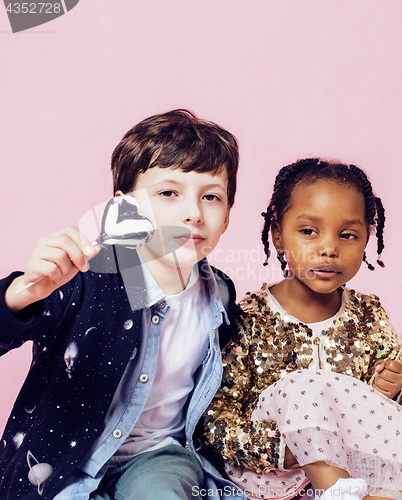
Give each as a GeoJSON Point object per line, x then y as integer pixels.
{"type": "Point", "coordinates": [327, 269]}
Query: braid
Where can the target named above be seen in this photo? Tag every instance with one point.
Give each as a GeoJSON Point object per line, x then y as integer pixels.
{"type": "Point", "coordinates": [370, 266]}
{"type": "Point", "coordinates": [313, 169]}
{"type": "Point", "coordinates": [367, 193]}
{"type": "Point", "coordinates": [265, 231]}
{"type": "Point", "coordinates": [285, 181]}
{"type": "Point", "coordinates": [380, 230]}
{"type": "Point", "coordinates": [374, 211]}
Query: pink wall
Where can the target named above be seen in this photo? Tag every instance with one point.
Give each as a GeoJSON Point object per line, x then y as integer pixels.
{"type": "Point", "coordinates": [290, 79]}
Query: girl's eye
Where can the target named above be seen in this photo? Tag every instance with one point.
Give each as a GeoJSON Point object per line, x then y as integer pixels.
{"type": "Point", "coordinates": [308, 232]}
{"type": "Point", "coordinates": [348, 236]}
{"type": "Point", "coordinates": [211, 197]}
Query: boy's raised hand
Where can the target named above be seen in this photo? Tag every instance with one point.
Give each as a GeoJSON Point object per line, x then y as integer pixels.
{"type": "Point", "coordinates": [55, 260]}
{"type": "Point", "coordinates": [388, 377]}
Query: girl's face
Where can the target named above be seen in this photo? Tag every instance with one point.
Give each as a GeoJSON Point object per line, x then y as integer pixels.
{"type": "Point", "coordinates": [323, 233]}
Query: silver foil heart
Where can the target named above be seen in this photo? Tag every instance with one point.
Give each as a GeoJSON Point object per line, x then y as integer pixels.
{"type": "Point", "coordinates": [122, 224]}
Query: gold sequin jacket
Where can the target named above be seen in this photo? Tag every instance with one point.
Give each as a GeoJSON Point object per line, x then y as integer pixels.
{"type": "Point", "coordinates": [267, 347]}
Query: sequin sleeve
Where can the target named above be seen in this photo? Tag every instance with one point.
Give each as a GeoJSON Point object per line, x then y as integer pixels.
{"type": "Point", "coordinates": [361, 336]}
{"type": "Point", "coordinates": [227, 424]}
{"type": "Point", "coordinates": [386, 341]}
{"type": "Point", "coordinates": [385, 344]}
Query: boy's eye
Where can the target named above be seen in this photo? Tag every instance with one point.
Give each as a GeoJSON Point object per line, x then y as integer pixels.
{"type": "Point", "coordinates": [211, 197]}
{"type": "Point", "coordinates": [308, 232]}
{"type": "Point", "coordinates": [348, 236]}
{"type": "Point", "coordinates": [168, 193]}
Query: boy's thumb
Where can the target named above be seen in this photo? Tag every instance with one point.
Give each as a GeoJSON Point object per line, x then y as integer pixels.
{"type": "Point", "coordinates": [91, 249]}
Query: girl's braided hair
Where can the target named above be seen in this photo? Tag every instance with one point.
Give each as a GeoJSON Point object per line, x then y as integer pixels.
{"type": "Point", "coordinates": [310, 170]}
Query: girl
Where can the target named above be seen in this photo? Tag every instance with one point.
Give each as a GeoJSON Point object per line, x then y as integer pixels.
{"type": "Point", "coordinates": [277, 425]}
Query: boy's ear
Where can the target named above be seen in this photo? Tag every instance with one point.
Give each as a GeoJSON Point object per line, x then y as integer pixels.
{"type": "Point", "coordinates": [276, 234]}
{"type": "Point", "coordinates": [226, 223]}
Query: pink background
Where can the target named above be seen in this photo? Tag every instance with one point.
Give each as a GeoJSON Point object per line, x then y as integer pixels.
{"type": "Point", "coordinates": [290, 78]}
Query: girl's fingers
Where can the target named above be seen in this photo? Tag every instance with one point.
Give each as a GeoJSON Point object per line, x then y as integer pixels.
{"type": "Point", "coordinates": [394, 366]}
{"type": "Point", "coordinates": [379, 366]}
{"type": "Point", "coordinates": [388, 382]}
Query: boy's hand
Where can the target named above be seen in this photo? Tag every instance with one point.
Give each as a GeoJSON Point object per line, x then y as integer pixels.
{"type": "Point", "coordinates": [55, 260]}
{"type": "Point", "coordinates": [388, 377]}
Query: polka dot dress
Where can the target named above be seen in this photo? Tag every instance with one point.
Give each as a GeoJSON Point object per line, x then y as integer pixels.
{"type": "Point", "coordinates": [328, 416]}
{"type": "Point", "coordinates": [278, 485]}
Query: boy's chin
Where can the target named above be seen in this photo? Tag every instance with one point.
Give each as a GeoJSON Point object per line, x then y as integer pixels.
{"type": "Point", "coordinates": [183, 261]}
{"type": "Point", "coordinates": [183, 258]}
{"type": "Point", "coordinates": [178, 260]}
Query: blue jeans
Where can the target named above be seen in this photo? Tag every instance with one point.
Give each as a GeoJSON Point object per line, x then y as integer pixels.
{"type": "Point", "coordinates": [170, 473]}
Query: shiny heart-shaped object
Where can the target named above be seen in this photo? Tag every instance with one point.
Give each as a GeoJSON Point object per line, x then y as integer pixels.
{"type": "Point", "coordinates": [122, 224]}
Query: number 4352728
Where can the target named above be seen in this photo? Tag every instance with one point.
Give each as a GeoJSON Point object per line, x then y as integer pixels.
{"type": "Point", "coordinates": [34, 8]}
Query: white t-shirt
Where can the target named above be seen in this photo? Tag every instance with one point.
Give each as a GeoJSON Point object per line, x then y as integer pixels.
{"type": "Point", "coordinates": [183, 344]}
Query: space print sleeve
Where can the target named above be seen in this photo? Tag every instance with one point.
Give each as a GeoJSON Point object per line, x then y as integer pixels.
{"type": "Point", "coordinates": [227, 425]}
{"type": "Point", "coordinates": [36, 322]}
{"type": "Point", "coordinates": [16, 329]}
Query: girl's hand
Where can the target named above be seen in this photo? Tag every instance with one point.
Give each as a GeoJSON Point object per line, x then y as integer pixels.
{"type": "Point", "coordinates": [55, 260]}
{"type": "Point", "coordinates": [290, 462]}
{"type": "Point", "coordinates": [388, 377]}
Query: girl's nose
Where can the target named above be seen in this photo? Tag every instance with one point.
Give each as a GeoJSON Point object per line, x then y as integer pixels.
{"type": "Point", "coordinates": [329, 248]}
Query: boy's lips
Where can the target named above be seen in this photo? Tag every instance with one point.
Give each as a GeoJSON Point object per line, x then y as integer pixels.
{"type": "Point", "coordinates": [194, 239]}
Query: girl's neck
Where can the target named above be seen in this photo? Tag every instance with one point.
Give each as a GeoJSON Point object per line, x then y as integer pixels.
{"type": "Point", "coordinates": [303, 303]}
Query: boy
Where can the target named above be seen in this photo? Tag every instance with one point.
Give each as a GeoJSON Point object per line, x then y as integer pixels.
{"type": "Point", "coordinates": [126, 354]}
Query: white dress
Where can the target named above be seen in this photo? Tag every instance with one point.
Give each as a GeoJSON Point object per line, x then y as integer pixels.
{"type": "Point", "coordinates": [328, 416]}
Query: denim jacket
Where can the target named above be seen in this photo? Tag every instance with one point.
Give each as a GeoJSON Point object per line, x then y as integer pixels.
{"type": "Point", "coordinates": [83, 337]}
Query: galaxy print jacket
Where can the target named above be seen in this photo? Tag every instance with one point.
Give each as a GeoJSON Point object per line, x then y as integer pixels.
{"type": "Point", "coordinates": [266, 348]}
{"type": "Point", "coordinates": [60, 409]}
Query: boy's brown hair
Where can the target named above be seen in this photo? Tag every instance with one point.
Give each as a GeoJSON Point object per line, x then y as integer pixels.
{"type": "Point", "coordinates": [175, 139]}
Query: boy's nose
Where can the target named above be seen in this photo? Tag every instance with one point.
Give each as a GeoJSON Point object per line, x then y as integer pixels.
{"type": "Point", "coordinates": [192, 213]}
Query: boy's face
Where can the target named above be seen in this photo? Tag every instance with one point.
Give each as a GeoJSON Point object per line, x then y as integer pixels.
{"type": "Point", "coordinates": [192, 201]}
